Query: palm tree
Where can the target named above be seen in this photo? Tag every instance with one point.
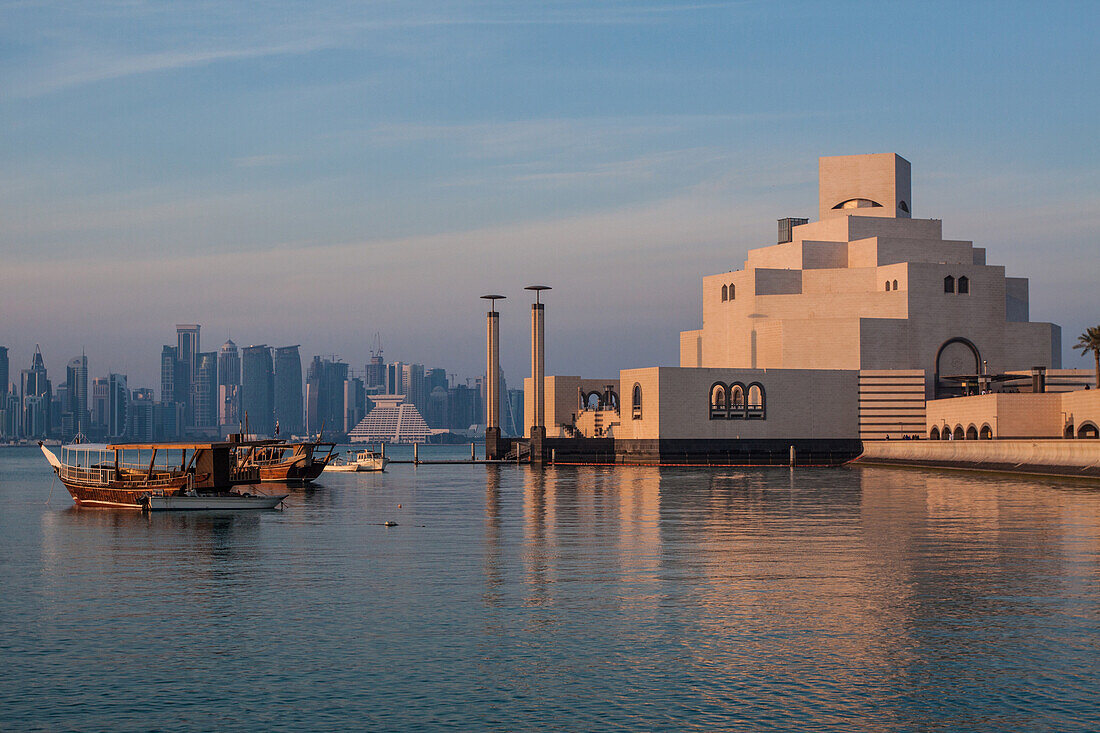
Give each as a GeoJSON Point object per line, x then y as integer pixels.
{"type": "Point", "coordinates": [1090, 341]}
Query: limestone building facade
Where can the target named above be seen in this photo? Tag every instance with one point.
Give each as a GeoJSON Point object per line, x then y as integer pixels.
{"type": "Point", "coordinates": [841, 331]}
{"type": "Point", "coordinates": [869, 287]}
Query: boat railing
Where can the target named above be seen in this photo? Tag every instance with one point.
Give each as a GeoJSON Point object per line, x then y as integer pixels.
{"type": "Point", "coordinates": [104, 476]}
{"type": "Point", "coordinates": [87, 475]}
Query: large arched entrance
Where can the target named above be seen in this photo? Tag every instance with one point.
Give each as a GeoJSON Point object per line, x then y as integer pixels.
{"type": "Point", "coordinates": [956, 357]}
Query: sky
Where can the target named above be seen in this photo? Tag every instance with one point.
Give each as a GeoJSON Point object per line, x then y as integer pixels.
{"type": "Point", "coordinates": [314, 173]}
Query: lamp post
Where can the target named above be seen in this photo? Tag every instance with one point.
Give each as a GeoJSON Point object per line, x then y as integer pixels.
{"type": "Point", "coordinates": [492, 379]}
{"type": "Point", "coordinates": [538, 374]}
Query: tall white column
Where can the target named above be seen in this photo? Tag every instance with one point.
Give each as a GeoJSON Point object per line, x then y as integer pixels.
{"type": "Point", "coordinates": [492, 370]}
{"type": "Point", "coordinates": [538, 364]}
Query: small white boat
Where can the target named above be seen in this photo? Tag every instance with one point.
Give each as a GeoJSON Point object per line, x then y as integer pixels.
{"type": "Point", "coordinates": [230, 501]}
{"type": "Point", "coordinates": [365, 460]}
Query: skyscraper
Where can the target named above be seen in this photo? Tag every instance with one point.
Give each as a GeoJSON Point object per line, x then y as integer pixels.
{"type": "Point", "coordinates": [414, 386]}
{"type": "Point", "coordinates": [436, 412]}
{"type": "Point", "coordinates": [325, 395]}
{"type": "Point", "coordinates": [395, 377]}
{"type": "Point", "coordinates": [101, 400]}
{"type": "Point", "coordinates": [118, 402]}
{"type": "Point", "coordinates": [9, 419]}
{"type": "Point", "coordinates": [513, 416]}
{"type": "Point", "coordinates": [375, 375]}
{"type": "Point", "coordinates": [140, 414]}
{"type": "Point", "coordinates": [206, 391]}
{"type": "Point", "coordinates": [355, 400]}
{"type": "Point", "coordinates": [9, 414]}
{"type": "Point", "coordinates": [76, 378]}
{"type": "Point", "coordinates": [4, 370]}
{"type": "Point", "coordinates": [258, 389]}
{"type": "Point", "coordinates": [174, 386]}
{"type": "Point", "coordinates": [375, 371]}
{"type": "Point", "coordinates": [36, 396]}
{"type": "Point", "coordinates": [229, 387]}
{"type": "Point", "coordinates": [288, 390]}
{"type": "Point", "coordinates": [187, 350]}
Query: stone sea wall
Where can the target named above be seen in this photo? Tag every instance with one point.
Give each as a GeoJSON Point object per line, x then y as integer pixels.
{"type": "Point", "coordinates": [1055, 457]}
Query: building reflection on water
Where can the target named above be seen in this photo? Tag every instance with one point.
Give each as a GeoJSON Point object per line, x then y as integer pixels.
{"type": "Point", "coordinates": [813, 580]}
{"type": "Point", "coordinates": [591, 597]}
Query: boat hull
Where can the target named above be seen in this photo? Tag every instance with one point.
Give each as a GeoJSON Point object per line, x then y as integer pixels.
{"type": "Point", "coordinates": [116, 495]}
{"type": "Point", "coordinates": [375, 466]}
{"type": "Point", "coordinates": [292, 472]}
{"type": "Point", "coordinates": [212, 502]}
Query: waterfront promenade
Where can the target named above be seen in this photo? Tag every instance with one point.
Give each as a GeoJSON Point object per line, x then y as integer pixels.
{"type": "Point", "coordinates": [1071, 458]}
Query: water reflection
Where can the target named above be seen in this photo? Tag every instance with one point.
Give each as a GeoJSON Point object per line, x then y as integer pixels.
{"type": "Point", "coordinates": [816, 582]}
{"type": "Point", "coordinates": [494, 576]}
{"type": "Point", "coordinates": [579, 598]}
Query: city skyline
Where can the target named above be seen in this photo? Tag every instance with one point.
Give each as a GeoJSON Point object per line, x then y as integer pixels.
{"type": "Point", "coordinates": [327, 172]}
{"type": "Point", "coordinates": [210, 394]}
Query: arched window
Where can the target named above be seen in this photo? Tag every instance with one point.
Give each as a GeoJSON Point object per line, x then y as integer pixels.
{"type": "Point", "coordinates": [903, 206]}
{"type": "Point", "coordinates": [636, 402]}
{"type": "Point", "coordinates": [949, 284]}
{"type": "Point", "coordinates": [858, 204]}
{"type": "Point", "coordinates": [1087, 430]}
{"type": "Point", "coordinates": [731, 291]}
{"type": "Point", "coordinates": [725, 293]}
{"type": "Point", "coordinates": [959, 434]}
{"type": "Point", "coordinates": [895, 285]}
{"type": "Point", "coordinates": [737, 392]}
{"type": "Point", "coordinates": [755, 407]}
{"type": "Point", "coordinates": [971, 433]}
{"type": "Point", "coordinates": [887, 286]}
{"type": "Point", "coordinates": [934, 433]}
{"type": "Point", "coordinates": [964, 285]}
{"type": "Point", "coordinates": [986, 432]}
{"type": "Point", "coordinates": [719, 402]}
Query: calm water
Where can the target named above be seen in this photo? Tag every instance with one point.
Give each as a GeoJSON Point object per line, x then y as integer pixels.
{"type": "Point", "coordinates": [572, 598]}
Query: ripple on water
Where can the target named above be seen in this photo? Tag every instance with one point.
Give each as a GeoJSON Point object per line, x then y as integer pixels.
{"type": "Point", "coordinates": [571, 598]}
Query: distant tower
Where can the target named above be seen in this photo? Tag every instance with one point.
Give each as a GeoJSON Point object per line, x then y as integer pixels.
{"type": "Point", "coordinates": [101, 403]}
{"type": "Point", "coordinates": [229, 387]}
{"type": "Point", "coordinates": [205, 395]}
{"type": "Point", "coordinates": [325, 406]}
{"type": "Point", "coordinates": [36, 395]}
{"type": "Point", "coordinates": [76, 377]}
{"type": "Point", "coordinates": [118, 400]}
{"type": "Point", "coordinates": [376, 368]}
{"type": "Point", "coordinates": [4, 375]}
{"type": "Point", "coordinates": [258, 389]}
{"type": "Point", "coordinates": [288, 390]}
{"type": "Point", "coordinates": [187, 349]}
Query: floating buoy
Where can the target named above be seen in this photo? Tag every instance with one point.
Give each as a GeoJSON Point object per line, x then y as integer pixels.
{"type": "Point", "coordinates": [398, 506]}
{"type": "Point", "coordinates": [389, 524]}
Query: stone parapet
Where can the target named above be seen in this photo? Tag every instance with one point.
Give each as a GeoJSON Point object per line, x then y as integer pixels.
{"type": "Point", "coordinates": [1054, 457]}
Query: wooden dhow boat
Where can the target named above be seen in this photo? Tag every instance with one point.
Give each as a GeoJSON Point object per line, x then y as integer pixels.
{"type": "Point", "coordinates": [127, 474]}
{"type": "Point", "coordinates": [276, 460]}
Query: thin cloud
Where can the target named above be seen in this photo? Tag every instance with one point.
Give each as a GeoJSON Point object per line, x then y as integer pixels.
{"type": "Point", "coordinates": [92, 69]}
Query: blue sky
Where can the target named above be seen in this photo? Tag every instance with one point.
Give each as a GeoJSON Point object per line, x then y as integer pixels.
{"type": "Point", "coordinates": [315, 172]}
